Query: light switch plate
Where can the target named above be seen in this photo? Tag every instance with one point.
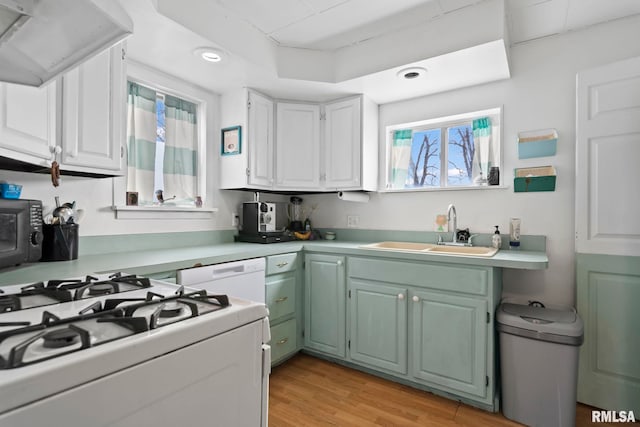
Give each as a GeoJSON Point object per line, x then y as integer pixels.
{"type": "Point", "coordinates": [353, 221]}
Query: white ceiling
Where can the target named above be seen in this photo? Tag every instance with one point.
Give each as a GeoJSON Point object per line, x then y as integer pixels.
{"type": "Point", "coordinates": [257, 29]}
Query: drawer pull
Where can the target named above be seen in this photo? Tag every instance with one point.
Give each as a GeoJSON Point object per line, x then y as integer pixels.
{"type": "Point", "coordinates": [416, 298]}
{"type": "Point", "coordinates": [283, 341]}
{"type": "Point", "coordinates": [282, 264]}
{"type": "Point", "coordinates": [282, 299]}
{"type": "Point", "coordinates": [400, 296]}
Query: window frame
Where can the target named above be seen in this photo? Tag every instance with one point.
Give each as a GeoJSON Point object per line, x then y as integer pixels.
{"type": "Point", "coordinates": [168, 85]}
{"type": "Point", "coordinates": [443, 123]}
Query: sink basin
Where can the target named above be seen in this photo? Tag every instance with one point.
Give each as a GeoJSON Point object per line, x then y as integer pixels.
{"type": "Point", "coordinates": [400, 246]}
{"type": "Point", "coordinates": [480, 251]}
{"type": "Point", "coordinates": [464, 250]}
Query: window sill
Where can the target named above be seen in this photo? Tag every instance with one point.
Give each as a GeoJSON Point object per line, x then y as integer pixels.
{"type": "Point", "coordinates": [472, 188]}
{"type": "Point", "coordinates": [162, 212]}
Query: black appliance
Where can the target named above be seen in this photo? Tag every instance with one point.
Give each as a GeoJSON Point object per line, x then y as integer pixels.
{"type": "Point", "coordinates": [21, 231]}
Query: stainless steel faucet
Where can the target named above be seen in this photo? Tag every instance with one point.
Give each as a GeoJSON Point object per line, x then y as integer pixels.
{"type": "Point", "coordinates": [452, 215]}
{"type": "Point", "coordinates": [452, 218]}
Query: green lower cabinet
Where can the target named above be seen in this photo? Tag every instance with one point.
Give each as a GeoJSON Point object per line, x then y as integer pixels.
{"type": "Point", "coordinates": [378, 325]}
{"type": "Point", "coordinates": [325, 304]}
{"type": "Point", "coordinates": [449, 341]}
{"type": "Point", "coordinates": [284, 300]}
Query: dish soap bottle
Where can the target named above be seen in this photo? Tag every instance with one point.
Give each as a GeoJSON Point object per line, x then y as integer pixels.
{"type": "Point", "coordinates": [496, 240]}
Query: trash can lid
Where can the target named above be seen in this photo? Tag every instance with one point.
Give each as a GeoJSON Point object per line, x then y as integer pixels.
{"type": "Point", "coordinates": [547, 324]}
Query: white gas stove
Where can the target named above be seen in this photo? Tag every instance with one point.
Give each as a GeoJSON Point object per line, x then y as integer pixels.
{"type": "Point", "coordinates": [119, 350]}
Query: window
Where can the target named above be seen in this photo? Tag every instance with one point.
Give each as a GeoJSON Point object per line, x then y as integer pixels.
{"type": "Point", "coordinates": [448, 152]}
{"type": "Point", "coordinates": [162, 147]}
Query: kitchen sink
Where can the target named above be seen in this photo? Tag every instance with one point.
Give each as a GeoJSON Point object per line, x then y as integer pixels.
{"type": "Point", "coordinates": [431, 248]}
{"type": "Point", "coordinates": [400, 246]}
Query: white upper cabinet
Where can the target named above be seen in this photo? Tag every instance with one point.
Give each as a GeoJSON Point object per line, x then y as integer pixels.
{"type": "Point", "coordinates": [260, 140]}
{"type": "Point", "coordinates": [297, 146]}
{"type": "Point", "coordinates": [89, 103]}
{"type": "Point", "coordinates": [315, 147]}
{"type": "Point", "coordinates": [28, 122]}
{"type": "Point", "coordinates": [253, 166]}
{"type": "Point", "coordinates": [342, 148]}
{"type": "Point", "coordinates": [339, 153]}
{"type": "Point", "coordinates": [93, 103]}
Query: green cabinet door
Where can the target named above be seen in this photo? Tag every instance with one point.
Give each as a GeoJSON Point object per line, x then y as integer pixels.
{"type": "Point", "coordinates": [378, 325]}
{"type": "Point", "coordinates": [324, 303]}
{"type": "Point", "coordinates": [449, 341]}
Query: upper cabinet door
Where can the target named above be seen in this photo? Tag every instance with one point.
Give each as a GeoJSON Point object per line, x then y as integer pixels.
{"type": "Point", "coordinates": [342, 145]}
{"type": "Point", "coordinates": [93, 113]}
{"type": "Point", "coordinates": [260, 140]}
{"type": "Point", "coordinates": [297, 146]}
{"type": "Point", "coordinates": [27, 122]}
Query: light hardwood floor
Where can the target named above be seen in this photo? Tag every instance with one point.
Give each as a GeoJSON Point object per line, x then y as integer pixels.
{"type": "Point", "coordinates": [306, 391]}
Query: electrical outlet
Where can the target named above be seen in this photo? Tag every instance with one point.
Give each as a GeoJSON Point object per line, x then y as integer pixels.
{"type": "Point", "coordinates": [353, 221]}
{"type": "Point", "coordinates": [235, 219]}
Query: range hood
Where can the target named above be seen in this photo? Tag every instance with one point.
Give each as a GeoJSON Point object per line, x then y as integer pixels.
{"type": "Point", "coordinates": [41, 39]}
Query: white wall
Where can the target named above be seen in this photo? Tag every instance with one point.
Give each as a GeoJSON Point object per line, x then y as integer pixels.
{"type": "Point", "coordinates": [95, 196]}
{"type": "Point", "coordinates": [540, 94]}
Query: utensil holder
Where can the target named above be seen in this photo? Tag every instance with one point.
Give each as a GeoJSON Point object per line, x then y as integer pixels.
{"type": "Point", "coordinates": [60, 242]}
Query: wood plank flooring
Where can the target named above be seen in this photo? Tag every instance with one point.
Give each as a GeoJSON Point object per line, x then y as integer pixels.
{"type": "Point", "coordinates": [306, 391]}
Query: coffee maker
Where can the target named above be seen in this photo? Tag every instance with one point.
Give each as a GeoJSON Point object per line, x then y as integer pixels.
{"type": "Point", "coordinates": [264, 222]}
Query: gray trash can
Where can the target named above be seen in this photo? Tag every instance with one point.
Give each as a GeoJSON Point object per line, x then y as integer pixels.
{"type": "Point", "coordinates": [539, 363]}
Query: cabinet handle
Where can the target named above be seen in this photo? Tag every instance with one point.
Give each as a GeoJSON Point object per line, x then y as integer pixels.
{"type": "Point", "coordinates": [283, 341]}
{"type": "Point", "coordinates": [339, 263]}
{"type": "Point", "coordinates": [282, 299]}
{"type": "Point", "coordinates": [415, 298]}
{"type": "Point", "coordinates": [282, 264]}
{"type": "Point", "coordinates": [400, 296]}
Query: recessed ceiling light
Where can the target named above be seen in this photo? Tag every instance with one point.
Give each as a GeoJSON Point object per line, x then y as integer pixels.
{"type": "Point", "coordinates": [208, 54]}
{"type": "Point", "coordinates": [411, 73]}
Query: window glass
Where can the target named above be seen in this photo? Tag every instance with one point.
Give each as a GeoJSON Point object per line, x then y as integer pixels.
{"type": "Point", "coordinates": [456, 151]}
{"type": "Point", "coordinates": [424, 165]}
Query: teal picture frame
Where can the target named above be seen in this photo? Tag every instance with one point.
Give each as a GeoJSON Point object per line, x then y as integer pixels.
{"type": "Point", "coordinates": [231, 141]}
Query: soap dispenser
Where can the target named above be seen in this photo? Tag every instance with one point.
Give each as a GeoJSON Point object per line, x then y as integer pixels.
{"type": "Point", "coordinates": [496, 240]}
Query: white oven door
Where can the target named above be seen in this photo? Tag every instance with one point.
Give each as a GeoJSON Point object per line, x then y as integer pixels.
{"type": "Point", "coordinates": [215, 382]}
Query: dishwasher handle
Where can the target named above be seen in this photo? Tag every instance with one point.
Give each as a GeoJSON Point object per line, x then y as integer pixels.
{"type": "Point", "coordinates": [223, 270]}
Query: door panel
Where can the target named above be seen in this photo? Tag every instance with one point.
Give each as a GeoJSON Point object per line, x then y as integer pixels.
{"type": "Point", "coordinates": [325, 304]}
{"type": "Point", "coordinates": [342, 142]}
{"type": "Point", "coordinates": [607, 153]}
{"type": "Point", "coordinates": [260, 140]}
{"type": "Point", "coordinates": [608, 234]}
{"type": "Point", "coordinates": [379, 325]}
{"type": "Point", "coordinates": [298, 146]}
{"type": "Point", "coordinates": [449, 341]}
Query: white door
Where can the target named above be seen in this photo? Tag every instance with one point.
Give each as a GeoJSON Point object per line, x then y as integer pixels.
{"type": "Point", "coordinates": [93, 111]}
{"type": "Point", "coordinates": [608, 234]}
{"type": "Point", "coordinates": [260, 140]}
{"type": "Point", "coordinates": [342, 145]}
{"type": "Point", "coordinates": [27, 122]}
{"type": "Point", "coordinates": [297, 146]}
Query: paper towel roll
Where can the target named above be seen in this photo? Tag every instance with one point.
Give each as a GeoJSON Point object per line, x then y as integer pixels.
{"type": "Point", "coordinates": [353, 196]}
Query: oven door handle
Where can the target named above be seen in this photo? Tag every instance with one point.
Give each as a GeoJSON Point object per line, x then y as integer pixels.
{"type": "Point", "coordinates": [266, 371]}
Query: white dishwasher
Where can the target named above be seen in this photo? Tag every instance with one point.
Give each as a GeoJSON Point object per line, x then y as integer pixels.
{"type": "Point", "coordinates": [240, 279]}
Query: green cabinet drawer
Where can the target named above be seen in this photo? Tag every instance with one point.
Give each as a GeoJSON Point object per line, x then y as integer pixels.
{"type": "Point", "coordinates": [446, 277]}
{"type": "Point", "coordinates": [281, 295]}
{"type": "Point", "coordinates": [283, 340]}
{"type": "Point", "coordinates": [281, 263]}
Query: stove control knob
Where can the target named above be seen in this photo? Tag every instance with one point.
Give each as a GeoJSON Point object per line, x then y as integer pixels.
{"type": "Point", "coordinates": [263, 207]}
{"type": "Point", "coordinates": [36, 238]}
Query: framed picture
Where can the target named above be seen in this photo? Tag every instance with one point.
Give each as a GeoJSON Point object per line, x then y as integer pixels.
{"type": "Point", "coordinates": [231, 141]}
{"type": "Point", "coordinates": [132, 198]}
